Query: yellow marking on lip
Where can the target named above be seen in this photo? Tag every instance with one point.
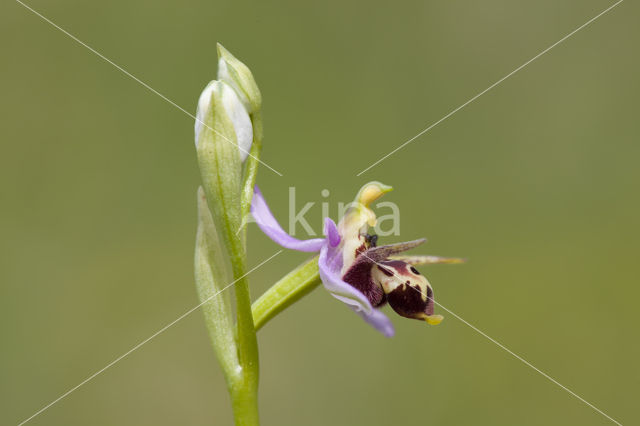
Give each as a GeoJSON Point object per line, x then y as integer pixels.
{"type": "Point", "coordinates": [433, 319]}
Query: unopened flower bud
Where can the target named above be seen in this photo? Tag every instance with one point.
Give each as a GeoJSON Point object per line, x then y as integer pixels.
{"type": "Point", "coordinates": [224, 135]}
{"type": "Point", "coordinates": [221, 99]}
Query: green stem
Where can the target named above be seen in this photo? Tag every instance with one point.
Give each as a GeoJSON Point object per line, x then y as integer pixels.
{"type": "Point", "coordinates": [291, 288]}
{"type": "Point", "coordinates": [247, 342]}
{"type": "Point", "coordinates": [244, 392]}
{"type": "Point", "coordinates": [245, 406]}
{"type": "Point", "coordinates": [251, 171]}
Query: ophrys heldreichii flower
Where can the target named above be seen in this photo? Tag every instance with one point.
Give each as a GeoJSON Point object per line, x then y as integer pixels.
{"type": "Point", "coordinates": [357, 271]}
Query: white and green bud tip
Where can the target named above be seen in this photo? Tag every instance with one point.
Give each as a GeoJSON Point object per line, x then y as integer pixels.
{"type": "Point", "coordinates": [237, 75]}
{"type": "Point", "coordinates": [216, 99]}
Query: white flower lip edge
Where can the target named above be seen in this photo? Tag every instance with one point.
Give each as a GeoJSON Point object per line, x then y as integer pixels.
{"type": "Point", "coordinates": [235, 110]}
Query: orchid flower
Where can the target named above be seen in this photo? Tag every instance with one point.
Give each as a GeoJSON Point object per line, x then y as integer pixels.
{"type": "Point", "coordinates": [357, 272]}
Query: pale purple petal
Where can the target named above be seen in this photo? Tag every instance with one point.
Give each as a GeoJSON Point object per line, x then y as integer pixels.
{"type": "Point", "coordinates": [270, 226]}
{"type": "Point", "coordinates": [331, 232]}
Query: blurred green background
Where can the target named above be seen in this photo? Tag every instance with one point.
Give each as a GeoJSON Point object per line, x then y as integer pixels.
{"type": "Point", "coordinates": [536, 183]}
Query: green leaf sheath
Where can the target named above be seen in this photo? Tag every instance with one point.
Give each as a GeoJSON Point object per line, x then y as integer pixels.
{"type": "Point", "coordinates": [211, 277]}
{"type": "Point", "coordinates": [291, 288]}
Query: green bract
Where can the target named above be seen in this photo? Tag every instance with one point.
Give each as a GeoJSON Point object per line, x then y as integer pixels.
{"type": "Point", "coordinates": [211, 279]}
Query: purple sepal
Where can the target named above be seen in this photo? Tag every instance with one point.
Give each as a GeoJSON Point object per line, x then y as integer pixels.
{"type": "Point", "coordinates": [270, 226]}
